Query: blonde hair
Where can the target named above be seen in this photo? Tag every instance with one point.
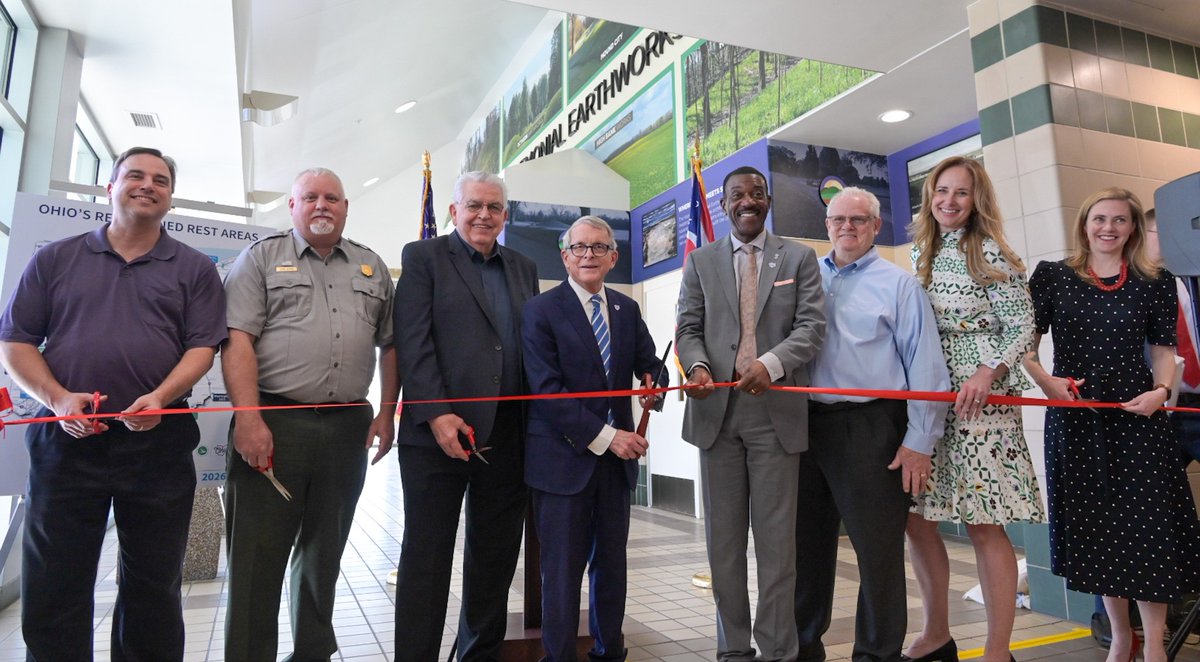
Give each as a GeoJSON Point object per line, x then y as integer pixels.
{"type": "Point", "coordinates": [984, 222]}
{"type": "Point", "coordinates": [1134, 250]}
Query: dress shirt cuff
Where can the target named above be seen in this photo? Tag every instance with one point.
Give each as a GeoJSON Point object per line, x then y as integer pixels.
{"type": "Point", "coordinates": [773, 365]}
{"type": "Point", "coordinates": [603, 440]}
{"type": "Point", "coordinates": [921, 443]}
{"type": "Point", "coordinates": [701, 364]}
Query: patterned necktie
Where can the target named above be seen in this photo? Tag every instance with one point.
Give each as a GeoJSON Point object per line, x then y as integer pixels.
{"type": "Point", "coordinates": [600, 329]}
{"type": "Point", "coordinates": [747, 351]}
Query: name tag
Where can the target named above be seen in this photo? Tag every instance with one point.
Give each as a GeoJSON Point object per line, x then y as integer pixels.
{"type": "Point", "coordinates": [285, 267]}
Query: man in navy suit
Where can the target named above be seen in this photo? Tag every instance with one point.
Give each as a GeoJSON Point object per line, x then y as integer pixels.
{"type": "Point", "coordinates": [458, 335]}
{"type": "Point", "coordinates": [581, 456]}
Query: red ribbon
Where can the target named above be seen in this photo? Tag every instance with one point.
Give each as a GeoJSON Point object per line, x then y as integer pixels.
{"type": "Point", "coordinates": [929, 396]}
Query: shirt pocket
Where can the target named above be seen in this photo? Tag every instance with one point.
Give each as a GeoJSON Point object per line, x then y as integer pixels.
{"type": "Point", "coordinates": [369, 299]}
{"type": "Point", "coordinates": [162, 303]}
{"type": "Point", "coordinates": [289, 295]}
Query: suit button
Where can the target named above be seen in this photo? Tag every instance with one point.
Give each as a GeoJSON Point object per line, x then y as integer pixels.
{"type": "Point", "coordinates": [733, 348]}
{"type": "Point", "coordinates": [496, 380]}
{"type": "Point", "coordinates": [499, 347]}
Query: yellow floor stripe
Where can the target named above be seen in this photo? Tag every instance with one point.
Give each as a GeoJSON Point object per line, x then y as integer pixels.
{"type": "Point", "coordinates": [1070, 635]}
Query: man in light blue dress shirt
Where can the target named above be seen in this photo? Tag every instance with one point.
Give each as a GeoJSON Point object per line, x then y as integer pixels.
{"type": "Point", "coordinates": [865, 455]}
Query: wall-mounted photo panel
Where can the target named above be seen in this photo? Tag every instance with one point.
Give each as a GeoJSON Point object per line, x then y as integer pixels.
{"type": "Point", "coordinates": [805, 177]}
{"type": "Point", "coordinates": [534, 229]}
{"type": "Point", "coordinates": [483, 149]}
{"type": "Point", "coordinates": [638, 141]}
{"type": "Point", "coordinates": [535, 98]}
{"type": "Point", "coordinates": [734, 96]}
{"type": "Point", "coordinates": [592, 43]}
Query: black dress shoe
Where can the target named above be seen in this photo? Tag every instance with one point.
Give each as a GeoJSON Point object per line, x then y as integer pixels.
{"type": "Point", "coordinates": [947, 652]}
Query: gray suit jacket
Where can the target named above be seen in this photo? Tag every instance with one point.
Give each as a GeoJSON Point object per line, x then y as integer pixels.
{"type": "Point", "coordinates": [791, 324]}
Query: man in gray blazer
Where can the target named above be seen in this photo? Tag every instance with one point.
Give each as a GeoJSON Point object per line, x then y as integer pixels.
{"type": "Point", "coordinates": [750, 437]}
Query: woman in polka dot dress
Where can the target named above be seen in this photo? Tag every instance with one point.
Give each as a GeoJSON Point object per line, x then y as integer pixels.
{"type": "Point", "coordinates": [982, 476]}
{"type": "Point", "coordinates": [1122, 521]}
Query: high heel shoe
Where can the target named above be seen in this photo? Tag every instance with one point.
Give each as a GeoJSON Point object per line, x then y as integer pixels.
{"type": "Point", "coordinates": [947, 652]}
{"type": "Point", "coordinates": [1135, 647]}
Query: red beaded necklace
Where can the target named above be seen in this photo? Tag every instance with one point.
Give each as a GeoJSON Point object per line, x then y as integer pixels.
{"type": "Point", "coordinates": [1115, 286]}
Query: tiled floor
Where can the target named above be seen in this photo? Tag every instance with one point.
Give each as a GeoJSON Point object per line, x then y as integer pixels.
{"type": "Point", "coordinates": [667, 618]}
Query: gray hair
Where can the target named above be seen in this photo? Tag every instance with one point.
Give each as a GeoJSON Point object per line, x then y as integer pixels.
{"type": "Point", "coordinates": [861, 194]}
{"type": "Point", "coordinates": [318, 172]}
{"type": "Point", "coordinates": [594, 221]}
{"type": "Point", "coordinates": [478, 177]}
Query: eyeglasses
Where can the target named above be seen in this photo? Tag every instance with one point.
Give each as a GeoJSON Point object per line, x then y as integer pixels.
{"type": "Point", "coordinates": [476, 207]}
{"type": "Point", "coordinates": [856, 221]}
{"type": "Point", "coordinates": [580, 250]}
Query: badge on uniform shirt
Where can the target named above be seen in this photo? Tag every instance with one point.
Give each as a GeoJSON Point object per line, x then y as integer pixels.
{"type": "Point", "coordinates": [286, 266]}
{"type": "Point", "coordinates": [366, 270]}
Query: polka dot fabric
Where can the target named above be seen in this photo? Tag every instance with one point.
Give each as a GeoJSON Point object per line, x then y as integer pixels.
{"type": "Point", "coordinates": [1122, 520]}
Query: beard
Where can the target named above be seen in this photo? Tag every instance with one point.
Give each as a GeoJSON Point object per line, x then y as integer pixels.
{"type": "Point", "coordinates": [321, 227]}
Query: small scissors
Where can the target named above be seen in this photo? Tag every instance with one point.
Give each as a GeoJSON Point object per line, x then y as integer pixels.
{"type": "Point", "coordinates": [96, 410]}
{"type": "Point", "coordinates": [269, 472]}
{"type": "Point", "coordinates": [477, 452]}
{"type": "Point", "coordinates": [1074, 388]}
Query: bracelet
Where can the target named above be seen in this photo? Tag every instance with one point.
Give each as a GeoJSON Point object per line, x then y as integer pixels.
{"type": "Point", "coordinates": [1163, 386]}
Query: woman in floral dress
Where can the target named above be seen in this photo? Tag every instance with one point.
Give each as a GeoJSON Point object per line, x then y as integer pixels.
{"type": "Point", "coordinates": [982, 473]}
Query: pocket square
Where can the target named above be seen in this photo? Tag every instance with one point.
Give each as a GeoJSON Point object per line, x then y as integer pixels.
{"type": "Point", "coordinates": [784, 282]}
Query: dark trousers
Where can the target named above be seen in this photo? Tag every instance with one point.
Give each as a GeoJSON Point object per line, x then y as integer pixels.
{"type": "Point", "coordinates": [589, 529]}
{"type": "Point", "coordinates": [844, 477]}
{"type": "Point", "coordinates": [1187, 428]}
{"type": "Point", "coordinates": [149, 480]}
{"type": "Point", "coordinates": [321, 458]}
{"type": "Point", "coordinates": [496, 498]}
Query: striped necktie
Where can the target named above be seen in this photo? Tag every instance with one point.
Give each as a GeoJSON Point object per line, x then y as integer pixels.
{"type": "Point", "coordinates": [600, 329]}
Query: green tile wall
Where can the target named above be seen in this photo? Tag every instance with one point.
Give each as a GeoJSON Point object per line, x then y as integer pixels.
{"type": "Point", "coordinates": [1145, 122]}
{"type": "Point", "coordinates": [986, 48]}
{"type": "Point", "coordinates": [1185, 60]}
{"type": "Point", "coordinates": [995, 123]}
{"type": "Point", "coordinates": [1081, 33]}
{"type": "Point", "coordinates": [1031, 109]}
{"type": "Point", "coordinates": [1135, 47]}
{"type": "Point", "coordinates": [1046, 25]}
{"type": "Point", "coordinates": [1161, 57]}
{"type": "Point", "coordinates": [1191, 126]}
{"type": "Point", "coordinates": [1171, 123]}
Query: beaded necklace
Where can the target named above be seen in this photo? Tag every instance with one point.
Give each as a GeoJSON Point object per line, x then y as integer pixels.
{"type": "Point", "coordinates": [1115, 286]}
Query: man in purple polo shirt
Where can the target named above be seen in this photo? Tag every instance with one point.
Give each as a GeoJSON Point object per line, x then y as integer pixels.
{"type": "Point", "coordinates": [129, 312]}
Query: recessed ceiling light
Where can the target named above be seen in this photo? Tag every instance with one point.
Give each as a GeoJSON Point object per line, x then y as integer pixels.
{"type": "Point", "coordinates": [893, 116]}
{"type": "Point", "coordinates": [371, 182]}
{"type": "Point", "coordinates": [407, 105]}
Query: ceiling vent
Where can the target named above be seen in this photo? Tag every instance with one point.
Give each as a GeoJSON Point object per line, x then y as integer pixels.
{"type": "Point", "coordinates": [145, 120]}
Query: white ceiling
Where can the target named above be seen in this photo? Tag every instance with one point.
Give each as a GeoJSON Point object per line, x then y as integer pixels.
{"type": "Point", "coordinates": [351, 62]}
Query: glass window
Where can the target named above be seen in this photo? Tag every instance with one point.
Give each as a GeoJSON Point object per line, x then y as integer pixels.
{"type": "Point", "coordinates": [85, 164]}
{"type": "Point", "coordinates": [8, 42]}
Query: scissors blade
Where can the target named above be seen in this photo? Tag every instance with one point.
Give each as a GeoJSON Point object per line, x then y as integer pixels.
{"type": "Point", "coordinates": [270, 474]}
{"type": "Point", "coordinates": [479, 453]}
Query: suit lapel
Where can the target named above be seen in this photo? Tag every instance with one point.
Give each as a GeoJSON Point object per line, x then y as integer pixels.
{"type": "Point", "coordinates": [579, 320]}
{"type": "Point", "coordinates": [461, 259]}
{"type": "Point", "coordinates": [772, 258]}
{"type": "Point", "coordinates": [725, 272]}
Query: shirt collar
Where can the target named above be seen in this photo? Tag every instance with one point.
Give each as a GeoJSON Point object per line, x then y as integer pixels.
{"type": "Point", "coordinates": [585, 297]}
{"type": "Point", "coordinates": [474, 253]}
{"type": "Point", "coordinates": [163, 249]}
{"type": "Point", "coordinates": [759, 242]}
{"type": "Point", "coordinates": [302, 245]}
{"type": "Point", "coordinates": [870, 256]}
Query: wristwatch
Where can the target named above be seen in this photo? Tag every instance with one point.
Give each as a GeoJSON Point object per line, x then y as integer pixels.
{"type": "Point", "coordinates": [1163, 386]}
